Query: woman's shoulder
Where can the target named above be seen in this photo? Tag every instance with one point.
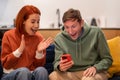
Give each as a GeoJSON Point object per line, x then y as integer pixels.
{"type": "Point", "coordinates": [9, 35]}
{"type": "Point", "coordinates": [10, 32]}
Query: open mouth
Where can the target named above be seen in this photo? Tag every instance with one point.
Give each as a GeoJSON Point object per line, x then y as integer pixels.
{"type": "Point", "coordinates": [34, 30]}
{"type": "Point", "coordinates": [73, 35]}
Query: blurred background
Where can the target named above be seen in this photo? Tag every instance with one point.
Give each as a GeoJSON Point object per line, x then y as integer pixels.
{"type": "Point", "coordinates": [106, 13]}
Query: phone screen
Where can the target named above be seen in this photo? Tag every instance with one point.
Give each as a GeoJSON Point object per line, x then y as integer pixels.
{"type": "Point", "coordinates": [64, 57]}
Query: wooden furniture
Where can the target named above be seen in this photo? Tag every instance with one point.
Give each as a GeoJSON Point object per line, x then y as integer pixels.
{"type": "Point", "coordinates": [111, 32]}
{"type": "Point", "coordinates": [49, 32]}
{"type": "Point", "coordinates": [108, 32]}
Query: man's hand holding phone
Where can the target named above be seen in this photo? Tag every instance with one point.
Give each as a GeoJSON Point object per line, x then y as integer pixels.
{"type": "Point", "coordinates": [66, 62]}
{"type": "Point", "coordinates": [66, 56]}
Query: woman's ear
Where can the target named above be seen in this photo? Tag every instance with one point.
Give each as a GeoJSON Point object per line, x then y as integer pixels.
{"type": "Point", "coordinates": [24, 22]}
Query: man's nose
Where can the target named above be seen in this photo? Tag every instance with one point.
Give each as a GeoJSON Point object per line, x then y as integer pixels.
{"type": "Point", "coordinates": [70, 31]}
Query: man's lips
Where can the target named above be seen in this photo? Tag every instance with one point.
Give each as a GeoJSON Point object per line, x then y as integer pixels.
{"type": "Point", "coordinates": [73, 34]}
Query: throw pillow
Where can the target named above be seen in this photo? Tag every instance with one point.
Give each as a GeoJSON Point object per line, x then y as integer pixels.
{"type": "Point", "coordinates": [114, 45]}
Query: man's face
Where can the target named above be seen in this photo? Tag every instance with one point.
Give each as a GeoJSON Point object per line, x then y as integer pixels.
{"type": "Point", "coordinates": [73, 28]}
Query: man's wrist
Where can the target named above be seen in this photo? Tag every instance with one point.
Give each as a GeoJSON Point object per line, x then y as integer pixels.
{"type": "Point", "coordinates": [58, 67]}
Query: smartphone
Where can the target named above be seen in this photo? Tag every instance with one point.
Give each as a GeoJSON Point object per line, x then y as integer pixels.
{"type": "Point", "coordinates": [66, 56]}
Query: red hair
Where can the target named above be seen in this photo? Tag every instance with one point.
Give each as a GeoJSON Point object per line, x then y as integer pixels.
{"type": "Point", "coordinates": [23, 15]}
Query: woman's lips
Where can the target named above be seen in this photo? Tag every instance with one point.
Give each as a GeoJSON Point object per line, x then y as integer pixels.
{"type": "Point", "coordinates": [34, 30]}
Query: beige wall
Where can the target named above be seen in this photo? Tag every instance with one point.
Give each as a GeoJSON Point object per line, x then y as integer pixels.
{"type": "Point", "coordinates": [108, 9]}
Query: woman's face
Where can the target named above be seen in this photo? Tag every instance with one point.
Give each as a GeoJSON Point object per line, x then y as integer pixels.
{"type": "Point", "coordinates": [32, 24]}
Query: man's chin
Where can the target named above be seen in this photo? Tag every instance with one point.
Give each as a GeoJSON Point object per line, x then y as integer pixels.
{"type": "Point", "coordinates": [73, 38]}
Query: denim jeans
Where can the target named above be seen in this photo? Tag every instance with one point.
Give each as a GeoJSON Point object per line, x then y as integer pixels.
{"type": "Point", "coordinates": [23, 73]}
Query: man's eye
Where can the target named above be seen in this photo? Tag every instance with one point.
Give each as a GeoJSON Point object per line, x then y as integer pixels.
{"type": "Point", "coordinates": [73, 26]}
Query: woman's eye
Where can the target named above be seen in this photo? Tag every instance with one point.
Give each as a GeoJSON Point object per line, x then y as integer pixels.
{"type": "Point", "coordinates": [32, 22]}
{"type": "Point", "coordinates": [38, 22]}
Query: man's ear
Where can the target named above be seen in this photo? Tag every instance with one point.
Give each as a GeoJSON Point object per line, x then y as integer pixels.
{"type": "Point", "coordinates": [82, 22]}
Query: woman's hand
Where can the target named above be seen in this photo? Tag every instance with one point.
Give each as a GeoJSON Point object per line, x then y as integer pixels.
{"type": "Point", "coordinates": [22, 44]}
{"type": "Point", "coordinates": [44, 44]}
{"type": "Point", "coordinates": [90, 72]}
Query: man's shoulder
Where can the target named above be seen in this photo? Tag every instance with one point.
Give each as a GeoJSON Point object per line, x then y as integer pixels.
{"type": "Point", "coordinates": [58, 35]}
{"type": "Point", "coordinates": [95, 29]}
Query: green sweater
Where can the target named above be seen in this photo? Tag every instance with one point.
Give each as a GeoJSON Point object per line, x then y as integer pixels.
{"type": "Point", "coordinates": [90, 49]}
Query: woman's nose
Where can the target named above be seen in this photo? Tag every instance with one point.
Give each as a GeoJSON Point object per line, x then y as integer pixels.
{"type": "Point", "coordinates": [36, 25]}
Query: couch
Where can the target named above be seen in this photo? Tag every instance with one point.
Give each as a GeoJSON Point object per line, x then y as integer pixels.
{"type": "Point", "coordinates": [50, 58]}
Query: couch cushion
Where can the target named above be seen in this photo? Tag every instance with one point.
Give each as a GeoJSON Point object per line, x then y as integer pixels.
{"type": "Point", "coordinates": [1, 70]}
{"type": "Point", "coordinates": [49, 58]}
{"type": "Point", "coordinates": [114, 45]}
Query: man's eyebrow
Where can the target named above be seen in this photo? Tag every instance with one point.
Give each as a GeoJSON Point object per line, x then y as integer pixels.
{"type": "Point", "coordinates": [74, 24]}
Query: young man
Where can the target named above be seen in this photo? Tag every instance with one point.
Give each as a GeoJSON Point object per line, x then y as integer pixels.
{"type": "Point", "coordinates": [88, 49]}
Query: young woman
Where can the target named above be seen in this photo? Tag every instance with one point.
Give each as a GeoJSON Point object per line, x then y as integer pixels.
{"type": "Point", "coordinates": [24, 49]}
